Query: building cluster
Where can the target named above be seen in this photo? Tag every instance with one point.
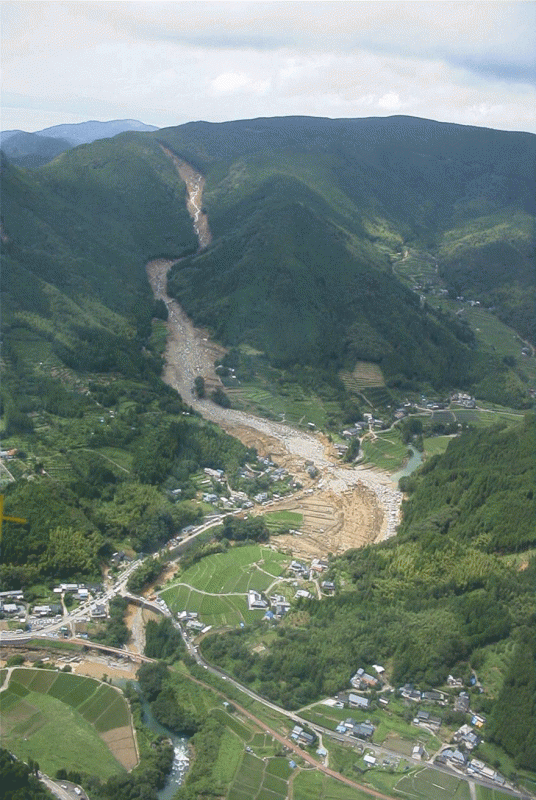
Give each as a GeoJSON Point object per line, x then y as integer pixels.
{"type": "Point", "coordinates": [230, 499]}
{"type": "Point", "coordinates": [302, 736]}
{"type": "Point", "coordinates": [361, 730]}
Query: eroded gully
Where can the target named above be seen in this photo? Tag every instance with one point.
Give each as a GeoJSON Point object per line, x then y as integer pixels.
{"type": "Point", "coordinates": [190, 353]}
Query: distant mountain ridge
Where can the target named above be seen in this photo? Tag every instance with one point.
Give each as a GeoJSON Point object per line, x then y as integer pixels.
{"type": "Point", "coordinates": [38, 148]}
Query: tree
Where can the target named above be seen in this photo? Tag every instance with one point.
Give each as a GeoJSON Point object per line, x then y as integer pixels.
{"type": "Point", "coordinates": [199, 387]}
{"type": "Point", "coordinates": [218, 396]}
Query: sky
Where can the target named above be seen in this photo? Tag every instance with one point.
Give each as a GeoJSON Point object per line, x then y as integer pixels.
{"type": "Point", "coordinates": [170, 63]}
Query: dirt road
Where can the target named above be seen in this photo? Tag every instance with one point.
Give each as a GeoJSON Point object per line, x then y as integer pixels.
{"type": "Point", "coordinates": [349, 507]}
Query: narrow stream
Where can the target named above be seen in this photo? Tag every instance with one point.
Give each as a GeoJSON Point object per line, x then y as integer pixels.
{"type": "Point", "coordinates": [414, 461]}
{"type": "Point", "coordinates": [181, 756]}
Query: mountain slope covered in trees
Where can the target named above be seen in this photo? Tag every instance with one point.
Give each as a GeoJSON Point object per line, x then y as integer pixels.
{"type": "Point", "coordinates": [307, 215]}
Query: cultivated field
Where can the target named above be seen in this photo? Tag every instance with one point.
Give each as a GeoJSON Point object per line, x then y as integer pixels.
{"type": "Point", "coordinates": [364, 375]}
{"type": "Point", "coordinates": [216, 587]}
{"type": "Point", "coordinates": [430, 784]}
{"type": "Point", "coordinates": [65, 720]}
{"type": "Point", "coordinates": [385, 451]}
{"type": "Point", "coordinates": [260, 779]}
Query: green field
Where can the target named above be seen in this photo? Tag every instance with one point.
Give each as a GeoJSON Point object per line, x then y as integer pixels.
{"type": "Point", "coordinates": [297, 408]}
{"type": "Point", "coordinates": [436, 444]}
{"type": "Point", "coordinates": [311, 784]}
{"type": "Point", "coordinates": [386, 451]}
{"type": "Point", "coordinates": [255, 781]}
{"type": "Point", "coordinates": [43, 717]}
{"type": "Point", "coordinates": [216, 587]}
{"type": "Point", "coordinates": [275, 520]}
{"type": "Point", "coordinates": [429, 784]}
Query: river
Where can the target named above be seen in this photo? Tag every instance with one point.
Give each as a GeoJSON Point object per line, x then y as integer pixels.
{"type": "Point", "coordinates": [414, 461]}
{"type": "Point", "coordinates": [181, 756]}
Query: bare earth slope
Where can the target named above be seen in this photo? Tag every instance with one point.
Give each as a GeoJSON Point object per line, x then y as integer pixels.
{"type": "Point", "coordinates": [349, 507]}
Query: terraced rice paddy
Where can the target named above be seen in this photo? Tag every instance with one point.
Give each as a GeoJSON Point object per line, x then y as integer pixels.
{"type": "Point", "coordinates": [386, 452]}
{"type": "Point", "coordinates": [68, 721]}
{"type": "Point", "coordinates": [363, 376]}
{"type": "Point", "coordinates": [258, 779]}
{"type": "Point", "coordinates": [216, 587]}
{"type": "Point", "coordinates": [295, 409]}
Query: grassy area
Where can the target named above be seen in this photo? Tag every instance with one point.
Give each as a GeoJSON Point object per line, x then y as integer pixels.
{"type": "Point", "coordinates": [254, 780]}
{"type": "Point", "coordinates": [297, 408]}
{"type": "Point", "coordinates": [436, 444]}
{"type": "Point", "coordinates": [429, 784]}
{"type": "Point", "coordinates": [494, 336]}
{"type": "Point", "coordinates": [486, 793]}
{"type": "Point", "coordinates": [275, 520]}
{"type": "Point", "coordinates": [216, 587]}
{"type": "Point", "coordinates": [310, 784]}
{"type": "Point", "coordinates": [386, 451]}
{"type": "Point", "coordinates": [37, 724]}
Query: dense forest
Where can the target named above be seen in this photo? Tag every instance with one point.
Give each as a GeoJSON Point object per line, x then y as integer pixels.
{"type": "Point", "coordinates": [428, 602]}
{"type": "Point", "coordinates": [291, 201]}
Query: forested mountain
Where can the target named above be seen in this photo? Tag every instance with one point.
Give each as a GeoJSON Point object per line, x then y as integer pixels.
{"type": "Point", "coordinates": [31, 150]}
{"type": "Point", "coordinates": [307, 215]}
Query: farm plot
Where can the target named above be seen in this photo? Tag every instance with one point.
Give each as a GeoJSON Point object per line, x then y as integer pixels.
{"type": "Point", "coordinates": [275, 520]}
{"type": "Point", "coordinates": [430, 784]}
{"type": "Point", "coordinates": [44, 728]}
{"type": "Point", "coordinates": [61, 708]}
{"type": "Point", "coordinates": [364, 375]}
{"type": "Point", "coordinates": [311, 783]}
{"type": "Point", "coordinates": [216, 587]}
{"type": "Point", "coordinates": [386, 452]}
{"type": "Point", "coordinates": [254, 781]}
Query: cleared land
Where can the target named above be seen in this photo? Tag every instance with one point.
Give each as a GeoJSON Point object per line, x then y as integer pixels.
{"type": "Point", "coordinates": [65, 720]}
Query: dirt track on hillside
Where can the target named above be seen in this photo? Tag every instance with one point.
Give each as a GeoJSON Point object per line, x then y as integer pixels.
{"type": "Point", "coordinates": [348, 507]}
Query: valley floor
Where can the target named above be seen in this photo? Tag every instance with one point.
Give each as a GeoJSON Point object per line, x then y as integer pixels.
{"type": "Point", "coordinates": [348, 507]}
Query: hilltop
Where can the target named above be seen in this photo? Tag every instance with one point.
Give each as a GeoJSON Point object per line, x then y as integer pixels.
{"type": "Point", "coordinates": [38, 148]}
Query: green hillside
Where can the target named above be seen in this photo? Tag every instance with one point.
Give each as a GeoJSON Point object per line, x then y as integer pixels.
{"type": "Point", "coordinates": [308, 216]}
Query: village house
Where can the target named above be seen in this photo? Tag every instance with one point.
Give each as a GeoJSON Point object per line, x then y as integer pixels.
{"type": "Point", "coordinates": [255, 600]}
{"type": "Point", "coordinates": [466, 735]}
{"type": "Point", "coordinates": [425, 718]}
{"type": "Point", "coordinates": [357, 701]}
{"type": "Point", "coordinates": [418, 752]}
{"type": "Point", "coordinates": [318, 565]}
{"type": "Point", "coordinates": [408, 692]}
{"type": "Point", "coordinates": [362, 680]}
{"type": "Point", "coordinates": [363, 730]}
{"type": "Point", "coordinates": [462, 703]}
{"type": "Point", "coordinates": [297, 568]}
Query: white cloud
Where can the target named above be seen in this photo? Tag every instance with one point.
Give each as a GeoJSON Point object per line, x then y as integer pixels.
{"type": "Point", "coordinates": [390, 102]}
{"type": "Point", "coordinates": [231, 82]}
